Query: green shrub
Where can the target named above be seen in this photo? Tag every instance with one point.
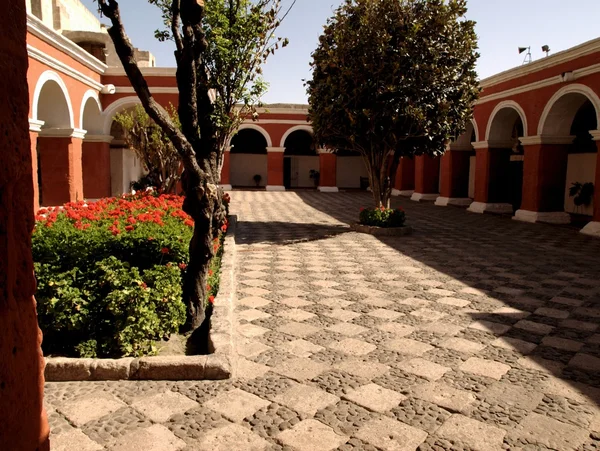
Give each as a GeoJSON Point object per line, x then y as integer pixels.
{"type": "Point", "coordinates": [382, 217]}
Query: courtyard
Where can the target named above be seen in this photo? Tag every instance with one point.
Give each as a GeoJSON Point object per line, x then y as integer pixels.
{"type": "Point", "coordinates": [477, 332]}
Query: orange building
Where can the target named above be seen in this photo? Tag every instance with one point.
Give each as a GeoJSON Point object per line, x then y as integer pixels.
{"type": "Point", "coordinates": [534, 131]}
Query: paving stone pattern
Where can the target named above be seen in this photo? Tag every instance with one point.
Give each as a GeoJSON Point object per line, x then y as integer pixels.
{"type": "Point", "coordinates": [475, 333]}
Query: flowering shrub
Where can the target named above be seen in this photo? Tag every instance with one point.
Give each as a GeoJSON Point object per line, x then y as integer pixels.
{"type": "Point", "coordinates": [382, 217]}
{"type": "Point", "coordinates": [110, 274]}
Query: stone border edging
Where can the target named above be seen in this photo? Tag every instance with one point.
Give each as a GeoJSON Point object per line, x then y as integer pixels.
{"type": "Point", "coordinates": [217, 365]}
{"type": "Point", "coordinates": [382, 231]}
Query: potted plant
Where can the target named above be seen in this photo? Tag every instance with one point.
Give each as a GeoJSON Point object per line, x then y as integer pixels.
{"type": "Point", "coordinates": [257, 178]}
{"type": "Point", "coordinates": [382, 221]}
{"type": "Point", "coordinates": [314, 175]}
{"type": "Point", "coordinates": [582, 193]}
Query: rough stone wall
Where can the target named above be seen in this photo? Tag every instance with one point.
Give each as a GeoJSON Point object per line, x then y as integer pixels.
{"type": "Point", "coordinates": [23, 424]}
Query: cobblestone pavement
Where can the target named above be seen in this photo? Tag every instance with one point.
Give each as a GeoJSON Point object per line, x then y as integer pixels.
{"type": "Point", "coordinates": [475, 333]}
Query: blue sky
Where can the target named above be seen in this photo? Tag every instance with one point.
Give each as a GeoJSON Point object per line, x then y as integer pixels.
{"type": "Point", "coordinates": [502, 26]}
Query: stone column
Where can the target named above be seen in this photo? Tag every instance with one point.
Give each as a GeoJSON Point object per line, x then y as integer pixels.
{"type": "Point", "coordinates": [454, 174]}
{"type": "Point", "coordinates": [95, 160]}
{"type": "Point", "coordinates": [491, 166]}
{"type": "Point", "coordinates": [23, 424]}
{"type": "Point", "coordinates": [226, 170]}
{"type": "Point", "coordinates": [544, 179]}
{"type": "Point", "coordinates": [404, 185]}
{"type": "Point", "coordinates": [327, 171]}
{"type": "Point", "coordinates": [593, 227]}
{"type": "Point", "coordinates": [427, 178]}
{"type": "Point", "coordinates": [34, 130]}
{"type": "Point", "coordinates": [275, 169]}
{"type": "Point", "coordinates": [60, 165]}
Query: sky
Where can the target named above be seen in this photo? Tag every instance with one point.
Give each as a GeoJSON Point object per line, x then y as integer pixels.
{"type": "Point", "coordinates": [502, 27]}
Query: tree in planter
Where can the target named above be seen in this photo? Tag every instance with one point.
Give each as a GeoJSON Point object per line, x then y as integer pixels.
{"type": "Point", "coordinates": [220, 46]}
{"type": "Point", "coordinates": [393, 78]}
{"type": "Point", "coordinates": [152, 147]}
{"type": "Point", "coordinates": [315, 176]}
{"type": "Point", "coordinates": [582, 193]}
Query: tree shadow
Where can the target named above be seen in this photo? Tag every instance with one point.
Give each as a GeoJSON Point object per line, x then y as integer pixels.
{"type": "Point", "coordinates": [535, 288]}
{"type": "Point", "coordinates": [285, 233]}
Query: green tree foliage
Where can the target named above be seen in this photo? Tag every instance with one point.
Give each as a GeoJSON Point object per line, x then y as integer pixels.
{"type": "Point", "coordinates": [393, 78]}
{"type": "Point", "coordinates": [152, 146]}
{"type": "Point", "coordinates": [220, 47]}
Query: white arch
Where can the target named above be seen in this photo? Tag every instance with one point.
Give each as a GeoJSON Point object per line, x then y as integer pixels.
{"type": "Point", "coordinates": [476, 128]}
{"type": "Point", "coordinates": [502, 105]}
{"type": "Point", "coordinates": [119, 105]}
{"type": "Point", "coordinates": [575, 88]}
{"type": "Point", "coordinates": [465, 138]}
{"type": "Point", "coordinates": [44, 78]}
{"type": "Point", "coordinates": [90, 94]}
{"type": "Point", "coordinates": [295, 128]}
{"type": "Point", "coordinates": [258, 128]}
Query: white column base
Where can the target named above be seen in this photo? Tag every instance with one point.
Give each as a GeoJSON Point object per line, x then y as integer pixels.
{"type": "Point", "coordinates": [482, 207]}
{"type": "Point", "coordinates": [454, 201]}
{"type": "Point", "coordinates": [226, 187]}
{"type": "Point", "coordinates": [592, 229]}
{"type": "Point", "coordinates": [403, 193]}
{"type": "Point", "coordinates": [275, 188]}
{"type": "Point", "coordinates": [328, 189]}
{"type": "Point", "coordinates": [418, 197]}
{"type": "Point", "coordinates": [550, 217]}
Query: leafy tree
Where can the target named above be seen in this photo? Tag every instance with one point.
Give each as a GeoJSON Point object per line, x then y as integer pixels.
{"type": "Point", "coordinates": [220, 47]}
{"type": "Point", "coordinates": [152, 147]}
{"type": "Point", "coordinates": [393, 78]}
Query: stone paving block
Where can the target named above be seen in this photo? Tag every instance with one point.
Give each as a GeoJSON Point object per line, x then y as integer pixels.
{"type": "Point", "coordinates": [474, 291]}
{"type": "Point", "coordinates": [442, 328]}
{"type": "Point", "coordinates": [567, 389]}
{"type": "Point", "coordinates": [455, 302]}
{"type": "Point", "coordinates": [546, 431]}
{"type": "Point", "coordinates": [247, 369]}
{"type": "Point", "coordinates": [251, 349]}
{"type": "Point", "coordinates": [296, 315]}
{"type": "Point", "coordinates": [154, 438]}
{"type": "Point", "coordinates": [391, 435]}
{"type": "Point", "coordinates": [335, 303]}
{"type": "Point", "coordinates": [424, 368]}
{"type": "Point", "coordinates": [566, 301]}
{"type": "Point", "coordinates": [385, 314]}
{"type": "Point", "coordinates": [533, 327]}
{"type": "Point", "coordinates": [562, 343]}
{"type": "Point", "coordinates": [552, 313]}
{"type": "Point", "coordinates": [162, 406]}
{"type": "Point", "coordinates": [73, 439]}
{"type": "Point", "coordinates": [440, 292]}
{"type": "Point", "coordinates": [300, 368]}
{"type": "Point", "coordinates": [298, 329]}
{"type": "Point", "coordinates": [585, 362]}
{"type": "Point", "coordinates": [540, 364]}
{"type": "Point", "coordinates": [375, 398]}
{"type": "Point", "coordinates": [347, 329]}
{"type": "Point", "coordinates": [342, 315]}
{"type": "Point", "coordinates": [578, 325]}
{"type": "Point", "coordinates": [444, 396]}
{"type": "Point", "coordinates": [368, 370]}
{"type": "Point", "coordinates": [306, 399]}
{"type": "Point", "coordinates": [254, 302]}
{"type": "Point", "coordinates": [462, 345]}
{"type": "Point", "coordinates": [377, 302]}
{"type": "Point", "coordinates": [514, 344]}
{"type": "Point", "coordinates": [236, 404]}
{"type": "Point", "coordinates": [252, 314]}
{"type": "Point", "coordinates": [587, 312]}
{"type": "Point", "coordinates": [353, 347]}
{"type": "Point", "coordinates": [255, 283]}
{"type": "Point", "coordinates": [301, 348]}
{"type": "Point", "coordinates": [490, 327]}
{"type": "Point", "coordinates": [311, 435]}
{"type": "Point", "coordinates": [511, 312]}
{"type": "Point", "coordinates": [251, 330]}
{"type": "Point", "coordinates": [594, 339]}
{"type": "Point", "coordinates": [513, 395]}
{"type": "Point", "coordinates": [414, 302]}
{"type": "Point", "coordinates": [231, 438]}
{"type": "Point", "coordinates": [399, 330]}
{"type": "Point", "coordinates": [428, 314]}
{"type": "Point", "coordinates": [296, 302]}
{"type": "Point", "coordinates": [83, 409]}
{"type": "Point", "coordinates": [475, 434]}
{"type": "Point", "coordinates": [487, 368]}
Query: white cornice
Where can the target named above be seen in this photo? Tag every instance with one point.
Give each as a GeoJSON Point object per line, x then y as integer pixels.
{"type": "Point", "coordinates": [36, 27]}
{"type": "Point", "coordinates": [493, 145]}
{"type": "Point", "coordinates": [546, 139]}
{"type": "Point", "coordinates": [153, 90]}
{"type": "Point", "coordinates": [595, 135]}
{"type": "Point", "coordinates": [55, 64]}
{"type": "Point", "coordinates": [277, 121]}
{"type": "Point", "coordinates": [35, 125]}
{"type": "Point", "coordinates": [146, 71]}
{"type": "Point", "coordinates": [558, 58]}
{"type": "Point", "coordinates": [275, 149]}
{"type": "Point", "coordinates": [63, 133]}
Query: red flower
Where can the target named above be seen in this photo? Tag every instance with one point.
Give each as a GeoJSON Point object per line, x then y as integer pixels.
{"type": "Point", "coordinates": [150, 238]}
{"type": "Point", "coordinates": [208, 287]}
{"type": "Point", "coordinates": [210, 272]}
{"type": "Point", "coordinates": [211, 299]}
{"type": "Point", "coordinates": [362, 208]}
{"type": "Point", "coordinates": [129, 228]}
{"type": "Point", "coordinates": [143, 285]}
{"type": "Point", "coordinates": [224, 228]}
{"type": "Point", "coordinates": [182, 265]}
{"type": "Point", "coordinates": [164, 250]}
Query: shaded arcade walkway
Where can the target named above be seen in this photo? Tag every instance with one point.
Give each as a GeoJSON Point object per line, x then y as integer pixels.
{"type": "Point", "coordinates": [475, 333]}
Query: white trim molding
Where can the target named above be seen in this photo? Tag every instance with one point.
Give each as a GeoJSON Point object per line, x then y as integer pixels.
{"type": "Point", "coordinates": [421, 197]}
{"type": "Point", "coordinates": [546, 139]}
{"type": "Point", "coordinates": [575, 88]}
{"type": "Point", "coordinates": [258, 128]}
{"type": "Point", "coordinates": [275, 188]}
{"type": "Point", "coordinates": [35, 125]}
{"type": "Point", "coordinates": [453, 201]}
{"type": "Point", "coordinates": [403, 193]}
{"type": "Point", "coordinates": [37, 28]}
{"type": "Point", "coordinates": [146, 71]}
{"type": "Point", "coordinates": [275, 149]}
{"type": "Point", "coordinates": [89, 94]}
{"type": "Point", "coordinates": [502, 105]}
{"type": "Point", "coordinates": [595, 135]}
{"type": "Point", "coordinates": [498, 208]}
{"type": "Point", "coordinates": [328, 189]}
{"type": "Point", "coordinates": [226, 187]}
{"type": "Point", "coordinates": [289, 131]}
{"type": "Point", "coordinates": [549, 217]}
{"type": "Point", "coordinates": [592, 229]}
{"type": "Point", "coordinates": [77, 133]}
{"type": "Point", "coordinates": [153, 90]}
{"type": "Point", "coordinates": [44, 78]}
{"type": "Point", "coordinates": [497, 144]}
{"type": "Point", "coordinates": [116, 107]}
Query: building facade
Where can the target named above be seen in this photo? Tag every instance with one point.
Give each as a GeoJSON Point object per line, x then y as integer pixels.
{"type": "Point", "coordinates": [534, 131]}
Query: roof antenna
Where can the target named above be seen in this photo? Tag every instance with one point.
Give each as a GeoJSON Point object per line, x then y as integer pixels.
{"type": "Point", "coordinates": [528, 55]}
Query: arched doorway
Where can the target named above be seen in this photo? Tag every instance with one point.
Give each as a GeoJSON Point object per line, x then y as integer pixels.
{"type": "Point", "coordinates": [248, 158]}
{"type": "Point", "coordinates": [300, 160]}
{"type": "Point", "coordinates": [125, 166]}
{"type": "Point", "coordinates": [507, 125]}
{"type": "Point", "coordinates": [95, 150]}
